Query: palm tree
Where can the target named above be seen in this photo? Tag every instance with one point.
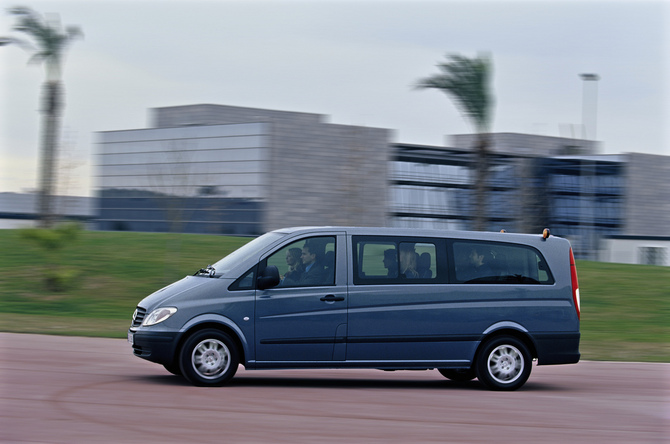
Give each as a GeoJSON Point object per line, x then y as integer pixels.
{"type": "Point", "coordinates": [467, 82]}
{"type": "Point", "coordinates": [48, 42]}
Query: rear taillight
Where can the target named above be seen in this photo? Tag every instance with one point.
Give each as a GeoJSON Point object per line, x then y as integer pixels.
{"type": "Point", "coordinates": [575, 285]}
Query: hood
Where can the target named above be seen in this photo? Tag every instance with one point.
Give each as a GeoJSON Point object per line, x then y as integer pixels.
{"type": "Point", "coordinates": [177, 291]}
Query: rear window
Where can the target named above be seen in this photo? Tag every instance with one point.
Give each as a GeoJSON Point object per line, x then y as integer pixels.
{"type": "Point", "coordinates": [498, 263]}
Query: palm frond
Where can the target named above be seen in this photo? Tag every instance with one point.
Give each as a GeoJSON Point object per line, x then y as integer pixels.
{"type": "Point", "coordinates": [48, 38]}
{"type": "Point", "coordinates": [466, 81]}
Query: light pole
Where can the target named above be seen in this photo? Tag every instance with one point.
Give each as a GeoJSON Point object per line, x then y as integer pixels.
{"type": "Point", "coordinates": [588, 196]}
{"type": "Point", "coordinates": [589, 99]}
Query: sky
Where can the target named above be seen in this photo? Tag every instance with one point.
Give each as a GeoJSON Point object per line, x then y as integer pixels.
{"type": "Point", "coordinates": [356, 62]}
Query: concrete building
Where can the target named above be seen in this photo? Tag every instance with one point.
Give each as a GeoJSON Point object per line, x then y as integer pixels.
{"type": "Point", "coordinates": [647, 250]}
{"type": "Point", "coordinates": [230, 170]}
{"type": "Point", "coordinates": [531, 145]}
{"type": "Point", "coordinates": [19, 210]}
{"type": "Point", "coordinates": [647, 205]}
{"type": "Point", "coordinates": [563, 185]}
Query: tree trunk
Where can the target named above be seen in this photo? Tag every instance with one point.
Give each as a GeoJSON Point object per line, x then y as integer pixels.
{"type": "Point", "coordinates": [51, 110]}
{"type": "Point", "coordinates": [481, 175]}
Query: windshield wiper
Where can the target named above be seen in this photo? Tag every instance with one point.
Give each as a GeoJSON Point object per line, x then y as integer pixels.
{"type": "Point", "coordinates": [208, 271]}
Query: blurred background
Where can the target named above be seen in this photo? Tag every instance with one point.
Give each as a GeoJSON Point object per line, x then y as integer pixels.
{"type": "Point", "coordinates": [239, 117]}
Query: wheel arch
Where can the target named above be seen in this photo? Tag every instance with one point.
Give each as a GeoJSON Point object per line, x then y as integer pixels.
{"type": "Point", "coordinates": [508, 329]}
{"type": "Point", "coordinates": [217, 322]}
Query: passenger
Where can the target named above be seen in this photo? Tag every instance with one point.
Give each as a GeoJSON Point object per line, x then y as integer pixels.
{"type": "Point", "coordinates": [295, 267]}
{"type": "Point", "coordinates": [313, 272]}
{"type": "Point", "coordinates": [391, 263]}
{"type": "Point", "coordinates": [478, 266]}
{"type": "Point", "coordinates": [408, 261]}
{"type": "Point", "coordinates": [423, 266]}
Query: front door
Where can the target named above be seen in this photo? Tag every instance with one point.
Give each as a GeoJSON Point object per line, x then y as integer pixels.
{"type": "Point", "coordinates": [305, 316]}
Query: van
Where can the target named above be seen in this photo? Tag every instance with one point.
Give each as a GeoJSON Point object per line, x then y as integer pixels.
{"type": "Point", "coordinates": [469, 304]}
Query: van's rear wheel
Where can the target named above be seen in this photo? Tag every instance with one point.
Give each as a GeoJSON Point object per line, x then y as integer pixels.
{"type": "Point", "coordinates": [209, 357]}
{"type": "Point", "coordinates": [457, 374]}
{"type": "Point", "coordinates": [503, 363]}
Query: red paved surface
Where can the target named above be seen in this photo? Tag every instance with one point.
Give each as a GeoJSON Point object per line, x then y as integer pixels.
{"type": "Point", "coordinates": [84, 390]}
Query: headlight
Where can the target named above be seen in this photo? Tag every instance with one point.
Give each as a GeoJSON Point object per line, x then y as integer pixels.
{"type": "Point", "coordinates": [159, 315]}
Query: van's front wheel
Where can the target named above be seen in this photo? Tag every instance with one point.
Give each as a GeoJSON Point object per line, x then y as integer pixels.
{"type": "Point", "coordinates": [503, 363]}
{"type": "Point", "coordinates": [209, 357]}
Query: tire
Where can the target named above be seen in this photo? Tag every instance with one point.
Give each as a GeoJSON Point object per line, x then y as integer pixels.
{"type": "Point", "coordinates": [209, 358]}
{"type": "Point", "coordinates": [503, 363]}
{"type": "Point", "coordinates": [458, 374]}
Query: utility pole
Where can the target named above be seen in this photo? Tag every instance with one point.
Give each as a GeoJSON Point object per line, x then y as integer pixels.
{"type": "Point", "coordinates": [588, 186]}
{"type": "Point", "coordinates": [589, 105]}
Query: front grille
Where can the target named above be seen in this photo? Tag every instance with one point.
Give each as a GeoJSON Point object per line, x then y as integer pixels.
{"type": "Point", "coordinates": [138, 316]}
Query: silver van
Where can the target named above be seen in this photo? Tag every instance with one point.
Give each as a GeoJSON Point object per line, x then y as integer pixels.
{"type": "Point", "coordinates": [469, 304]}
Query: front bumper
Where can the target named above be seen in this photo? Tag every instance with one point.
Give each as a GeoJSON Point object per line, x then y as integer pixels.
{"type": "Point", "coordinates": [160, 347]}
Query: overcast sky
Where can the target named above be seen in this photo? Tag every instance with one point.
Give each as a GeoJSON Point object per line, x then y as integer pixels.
{"type": "Point", "coordinates": [354, 61]}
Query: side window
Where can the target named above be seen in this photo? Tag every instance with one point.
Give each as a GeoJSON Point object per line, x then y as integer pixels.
{"type": "Point", "coordinates": [306, 262]}
{"type": "Point", "coordinates": [246, 282]}
{"type": "Point", "coordinates": [417, 260]}
{"type": "Point", "coordinates": [499, 263]}
{"type": "Point", "coordinates": [381, 260]}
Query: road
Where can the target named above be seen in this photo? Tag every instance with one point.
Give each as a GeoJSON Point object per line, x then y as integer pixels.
{"type": "Point", "coordinates": [91, 390]}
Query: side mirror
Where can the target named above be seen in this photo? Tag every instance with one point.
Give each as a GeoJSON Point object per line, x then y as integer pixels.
{"type": "Point", "coordinates": [269, 278]}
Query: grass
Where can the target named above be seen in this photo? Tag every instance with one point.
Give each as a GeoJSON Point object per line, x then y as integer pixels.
{"type": "Point", "coordinates": [625, 308]}
{"type": "Point", "coordinates": [625, 311]}
{"type": "Point", "coordinates": [114, 271]}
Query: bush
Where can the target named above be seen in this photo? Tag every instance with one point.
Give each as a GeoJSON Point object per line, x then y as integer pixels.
{"type": "Point", "coordinates": [52, 241]}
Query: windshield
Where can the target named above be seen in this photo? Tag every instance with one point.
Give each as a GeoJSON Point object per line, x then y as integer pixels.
{"type": "Point", "coordinates": [246, 251]}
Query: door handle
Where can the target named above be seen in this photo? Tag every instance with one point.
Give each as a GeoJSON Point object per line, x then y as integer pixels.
{"type": "Point", "coordinates": [332, 298]}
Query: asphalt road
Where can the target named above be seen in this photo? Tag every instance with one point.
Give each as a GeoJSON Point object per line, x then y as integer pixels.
{"type": "Point", "coordinates": [91, 390]}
